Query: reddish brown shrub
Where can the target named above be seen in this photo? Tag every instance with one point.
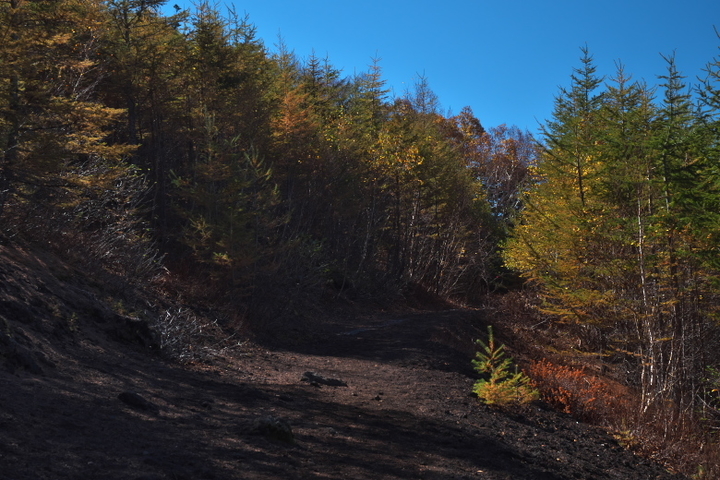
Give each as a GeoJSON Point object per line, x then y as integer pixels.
{"type": "Point", "coordinates": [572, 390]}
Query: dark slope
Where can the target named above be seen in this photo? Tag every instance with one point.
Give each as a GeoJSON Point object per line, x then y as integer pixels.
{"type": "Point", "coordinates": [83, 395]}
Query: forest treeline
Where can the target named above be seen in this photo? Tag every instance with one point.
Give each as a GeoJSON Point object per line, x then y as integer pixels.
{"type": "Point", "coordinates": [122, 126]}
{"type": "Point", "coordinates": [127, 134]}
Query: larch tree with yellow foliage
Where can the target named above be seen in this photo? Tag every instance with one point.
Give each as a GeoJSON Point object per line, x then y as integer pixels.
{"type": "Point", "coordinates": [60, 170]}
{"type": "Point", "coordinates": [612, 232]}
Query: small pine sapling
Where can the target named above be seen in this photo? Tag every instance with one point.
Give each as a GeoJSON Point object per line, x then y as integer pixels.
{"type": "Point", "coordinates": [503, 386]}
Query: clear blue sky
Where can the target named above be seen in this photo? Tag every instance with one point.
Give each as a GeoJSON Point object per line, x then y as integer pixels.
{"type": "Point", "coordinates": [504, 59]}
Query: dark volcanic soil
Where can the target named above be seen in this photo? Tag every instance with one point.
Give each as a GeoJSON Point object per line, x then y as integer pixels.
{"type": "Point", "coordinates": [405, 413]}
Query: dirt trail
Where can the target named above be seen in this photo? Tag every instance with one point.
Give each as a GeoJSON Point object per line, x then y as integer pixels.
{"type": "Point", "coordinates": [405, 413]}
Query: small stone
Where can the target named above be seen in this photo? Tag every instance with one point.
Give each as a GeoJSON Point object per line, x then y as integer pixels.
{"type": "Point", "coordinates": [315, 378]}
{"type": "Point", "coordinates": [273, 428]}
{"type": "Point", "coordinates": [134, 400]}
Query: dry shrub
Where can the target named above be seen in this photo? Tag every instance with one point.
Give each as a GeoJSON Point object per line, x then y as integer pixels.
{"type": "Point", "coordinates": [187, 337]}
{"type": "Point", "coordinates": [675, 438]}
{"type": "Point", "coordinates": [662, 432]}
{"type": "Point", "coordinates": [686, 442]}
{"type": "Point", "coordinates": [573, 391]}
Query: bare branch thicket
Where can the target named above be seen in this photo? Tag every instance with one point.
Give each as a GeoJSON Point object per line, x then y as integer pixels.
{"type": "Point", "coordinates": [186, 337]}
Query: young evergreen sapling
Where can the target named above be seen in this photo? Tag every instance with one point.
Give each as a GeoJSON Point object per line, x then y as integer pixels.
{"type": "Point", "coordinates": [504, 386]}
